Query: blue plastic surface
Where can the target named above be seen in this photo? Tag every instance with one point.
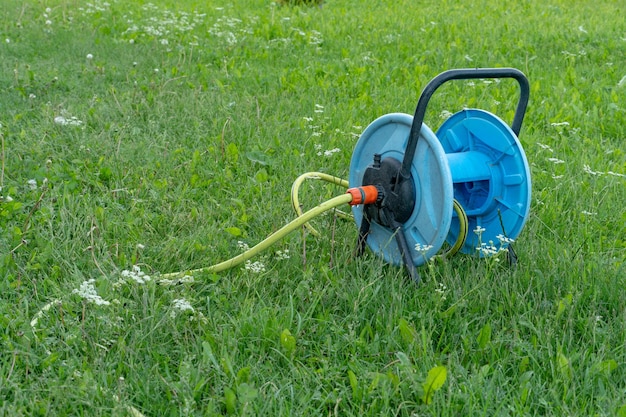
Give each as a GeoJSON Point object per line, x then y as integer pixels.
{"type": "Point", "coordinates": [432, 215]}
{"type": "Point", "coordinates": [491, 177]}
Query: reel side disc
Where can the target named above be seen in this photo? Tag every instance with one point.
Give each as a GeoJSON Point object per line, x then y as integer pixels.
{"type": "Point", "coordinates": [491, 176]}
{"type": "Point", "coordinates": [429, 221]}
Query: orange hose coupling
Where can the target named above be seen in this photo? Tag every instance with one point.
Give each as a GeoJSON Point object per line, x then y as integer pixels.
{"type": "Point", "coordinates": [367, 194]}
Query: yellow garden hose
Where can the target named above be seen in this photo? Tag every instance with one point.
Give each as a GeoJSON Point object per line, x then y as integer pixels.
{"type": "Point", "coordinates": [269, 241]}
{"type": "Point", "coordinates": [295, 188]}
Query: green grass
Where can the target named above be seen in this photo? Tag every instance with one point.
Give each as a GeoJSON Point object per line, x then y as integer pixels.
{"type": "Point", "coordinates": [197, 116]}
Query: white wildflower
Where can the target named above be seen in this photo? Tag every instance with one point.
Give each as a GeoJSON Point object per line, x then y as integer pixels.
{"type": "Point", "coordinates": [479, 230]}
{"type": "Point", "coordinates": [32, 184]}
{"type": "Point", "coordinates": [330, 152]}
{"type": "Point", "coordinates": [257, 267]}
{"type": "Point", "coordinates": [136, 274]}
{"type": "Point", "coordinates": [441, 289]}
{"type": "Point", "coordinates": [588, 170]}
{"type": "Point", "coordinates": [582, 29]}
{"type": "Point", "coordinates": [89, 56]}
{"type": "Point", "coordinates": [546, 147]}
{"type": "Point", "coordinates": [559, 124]}
{"type": "Point", "coordinates": [87, 291]}
{"type": "Point", "coordinates": [71, 121]}
{"type": "Point", "coordinates": [422, 248]}
{"type": "Point", "coordinates": [505, 240]}
{"type": "Point", "coordinates": [242, 245]}
{"type": "Point", "coordinates": [32, 96]}
{"type": "Point", "coordinates": [180, 305]}
{"type": "Point", "coordinates": [588, 213]}
{"type": "Point", "coordinates": [445, 114]}
{"type": "Point", "coordinates": [140, 246]}
{"type": "Point", "coordinates": [282, 254]}
{"type": "Point", "coordinates": [556, 161]}
{"type": "Point", "coordinates": [48, 22]}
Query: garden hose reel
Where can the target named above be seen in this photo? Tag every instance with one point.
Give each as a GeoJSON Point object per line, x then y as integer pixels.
{"type": "Point", "coordinates": [474, 160]}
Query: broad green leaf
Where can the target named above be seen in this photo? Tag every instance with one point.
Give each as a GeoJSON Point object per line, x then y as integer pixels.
{"type": "Point", "coordinates": [230, 400]}
{"type": "Point", "coordinates": [408, 333]}
{"type": "Point", "coordinates": [235, 231]}
{"type": "Point", "coordinates": [484, 336]}
{"type": "Point", "coordinates": [434, 381]}
{"type": "Point", "coordinates": [232, 152]}
{"type": "Point", "coordinates": [287, 341]}
{"type": "Point", "coordinates": [354, 384]}
{"type": "Point", "coordinates": [564, 366]}
{"type": "Point", "coordinates": [261, 176]}
{"type": "Point", "coordinates": [246, 393]}
{"type": "Point", "coordinates": [243, 375]}
{"type": "Point", "coordinates": [607, 366]}
{"type": "Point", "coordinates": [258, 157]}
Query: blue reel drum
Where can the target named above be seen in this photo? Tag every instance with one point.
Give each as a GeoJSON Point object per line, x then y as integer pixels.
{"type": "Point", "coordinates": [474, 158]}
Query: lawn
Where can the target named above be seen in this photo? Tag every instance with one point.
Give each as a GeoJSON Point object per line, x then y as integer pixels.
{"type": "Point", "coordinates": [140, 139]}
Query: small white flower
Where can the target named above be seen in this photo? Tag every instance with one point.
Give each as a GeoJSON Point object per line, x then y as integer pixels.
{"type": "Point", "coordinates": [131, 41]}
{"type": "Point", "coordinates": [48, 22]}
{"type": "Point", "coordinates": [504, 239]}
{"type": "Point", "coordinates": [546, 147]}
{"type": "Point", "coordinates": [560, 124]}
{"type": "Point", "coordinates": [164, 42]}
{"type": "Point", "coordinates": [32, 96]}
{"type": "Point", "coordinates": [140, 246]}
{"type": "Point", "coordinates": [242, 245]}
{"type": "Point", "coordinates": [257, 267]}
{"type": "Point", "coordinates": [282, 254]}
{"type": "Point", "coordinates": [445, 114]}
{"type": "Point", "coordinates": [32, 184]}
{"type": "Point", "coordinates": [137, 275]}
{"type": "Point", "coordinates": [87, 291]}
{"type": "Point", "coordinates": [71, 121]}
{"type": "Point", "coordinates": [89, 56]}
{"type": "Point", "coordinates": [48, 10]}
{"type": "Point", "coordinates": [7, 40]}
{"type": "Point", "coordinates": [588, 213]}
{"type": "Point", "coordinates": [479, 230]}
{"type": "Point", "coordinates": [330, 152]}
{"type": "Point", "coordinates": [587, 169]}
{"type": "Point", "coordinates": [180, 305]}
{"type": "Point", "coordinates": [156, 70]}
{"type": "Point", "coordinates": [422, 248]}
{"type": "Point", "coordinates": [556, 161]}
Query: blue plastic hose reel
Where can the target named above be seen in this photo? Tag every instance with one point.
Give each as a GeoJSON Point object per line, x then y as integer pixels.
{"type": "Point", "coordinates": [474, 158]}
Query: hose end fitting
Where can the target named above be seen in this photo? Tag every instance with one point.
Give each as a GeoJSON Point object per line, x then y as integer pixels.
{"type": "Point", "coordinates": [367, 194]}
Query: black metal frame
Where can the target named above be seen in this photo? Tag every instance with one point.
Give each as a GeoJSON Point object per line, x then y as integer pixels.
{"type": "Point", "coordinates": [463, 74]}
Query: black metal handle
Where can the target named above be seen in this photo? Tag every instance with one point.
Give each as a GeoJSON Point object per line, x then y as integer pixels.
{"type": "Point", "coordinates": [462, 74]}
